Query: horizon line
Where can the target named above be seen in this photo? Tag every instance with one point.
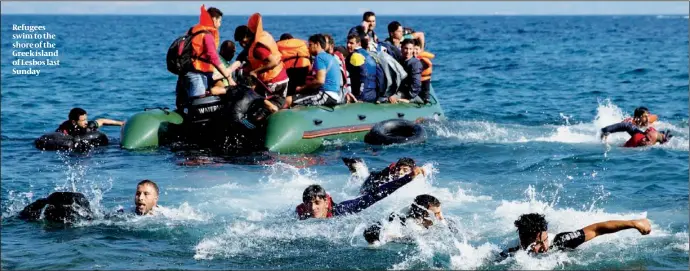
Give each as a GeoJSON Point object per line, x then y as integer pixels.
{"type": "Point", "coordinates": [358, 15]}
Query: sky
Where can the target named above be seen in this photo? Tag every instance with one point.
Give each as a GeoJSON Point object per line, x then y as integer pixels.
{"type": "Point", "coordinates": [349, 8]}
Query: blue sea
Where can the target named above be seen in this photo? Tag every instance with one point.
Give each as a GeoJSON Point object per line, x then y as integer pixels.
{"type": "Point", "coordinates": [524, 98]}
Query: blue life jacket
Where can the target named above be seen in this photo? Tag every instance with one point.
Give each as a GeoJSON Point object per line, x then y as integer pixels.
{"type": "Point", "coordinates": [369, 90]}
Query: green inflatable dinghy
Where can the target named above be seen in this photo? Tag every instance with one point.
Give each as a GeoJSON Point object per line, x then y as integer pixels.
{"type": "Point", "coordinates": [149, 129]}
{"type": "Point", "coordinates": [297, 130]}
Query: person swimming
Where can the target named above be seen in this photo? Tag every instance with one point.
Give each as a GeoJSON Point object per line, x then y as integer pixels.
{"type": "Point", "coordinates": [634, 127]}
{"type": "Point", "coordinates": [71, 207]}
{"type": "Point", "coordinates": [375, 179]}
{"type": "Point", "coordinates": [533, 236]}
{"type": "Point", "coordinates": [420, 212]}
{"type": "Point", "coordinates": [316, 203]}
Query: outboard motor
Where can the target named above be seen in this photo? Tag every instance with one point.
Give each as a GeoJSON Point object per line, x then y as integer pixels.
{"type": "Point", "coordinates": [201, 117]}
{"type": "Point", "coordinates": [202, 110]}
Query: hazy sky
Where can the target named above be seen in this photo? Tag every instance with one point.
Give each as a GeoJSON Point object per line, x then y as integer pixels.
{"type": "Point", "coordinates": [348, 8]}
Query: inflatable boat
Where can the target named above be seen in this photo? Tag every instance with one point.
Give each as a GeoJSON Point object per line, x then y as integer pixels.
{"type": "Point", "coordinates": [297, 130]}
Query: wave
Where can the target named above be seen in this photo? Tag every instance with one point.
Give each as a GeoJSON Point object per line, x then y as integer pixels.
{"type": "Point", "coordinates": [579, 133]}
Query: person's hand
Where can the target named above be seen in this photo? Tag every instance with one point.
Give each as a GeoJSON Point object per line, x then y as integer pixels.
{"type": "Point", "coordinates": [253, 74]}
{"type": "Point", "coordinates": [299, 88]}
{"type": "Point", "coordinates": [418, 170]}
{"type": "Point", "coordinates": [404, 101]}
{"type": "Point", "coordinates": [643, 226]}
{"type": "Point", "coordinates": [366, 25]}
{"type": "Point", "coordinates": [350, 98]}
{"type": "Point", "coordinates": [393, 100]}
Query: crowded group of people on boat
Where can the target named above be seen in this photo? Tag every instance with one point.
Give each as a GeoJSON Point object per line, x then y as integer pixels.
{"type": "Point", "coordinates": [291, 71]}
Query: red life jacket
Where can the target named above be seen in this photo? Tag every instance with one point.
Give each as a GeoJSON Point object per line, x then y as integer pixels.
{"type": "Point", "coordinates": [343, 68]}
{"type": "Point", "coordinates": [303, 211]}
{"type": "Point", "coordinates": [637, 140]}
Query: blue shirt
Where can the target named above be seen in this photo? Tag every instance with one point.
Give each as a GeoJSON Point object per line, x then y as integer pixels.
{"type": "Point", "coordinates": [325, 61]}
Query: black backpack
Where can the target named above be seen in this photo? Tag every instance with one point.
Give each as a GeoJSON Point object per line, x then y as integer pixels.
{"type": "Point", "coordinates": [180, 64]}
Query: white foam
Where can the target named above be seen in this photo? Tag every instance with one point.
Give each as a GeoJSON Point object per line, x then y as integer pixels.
{"type": "Point", "coordinates": [577, 133]}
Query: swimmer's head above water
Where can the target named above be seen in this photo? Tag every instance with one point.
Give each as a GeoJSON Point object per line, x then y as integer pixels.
{"type": "Point", "coordinates": [146, 197]}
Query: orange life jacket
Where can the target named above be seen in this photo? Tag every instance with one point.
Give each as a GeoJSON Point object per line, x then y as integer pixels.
{"type": "Point", "coordinates": [260, 36]}
{"type": "Point", "coordinates": [295, 53]}
{"type": "Point", "coordinates": [425, 57]}
{"type": "Point", "coordinates": [205, 23]}
{"type": "Point", "coordinates": [651, 118]}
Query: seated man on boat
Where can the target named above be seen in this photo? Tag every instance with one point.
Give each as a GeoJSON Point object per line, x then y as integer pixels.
{"type": "Point", "coordinates": [412, 84]}
{"type": "Point", "coordinates": [204, 61]}
{"type": "Point", "coordinates": [396, 34]}
{"type": "Point", "coordinates": [220, 83]}
{"type": "Point", "coordinates": [425, 57]}
{"type": "Point", "coordinates": [264, 62]}
{"type": "Point", "coordinates": [402, 167]}
{"type": "Point", "coordinates": [345, 82]}
{"type": "Point", "coordinates": [316, 203]}
{"type": "Point", "coordinates": [324, 88]}
{"type": "Point", "coordinates": [367, 28]}
{"type": "Point", "coordinates": [297, 60]}
{"type": "Point", "coordinates": [78, 123]}
{"type": "Point", "coordinates": [424, 210]}
{"type": "Point", "coordinates": [361, 67]}
{"type": "Point", "coordinates": [533, 236]}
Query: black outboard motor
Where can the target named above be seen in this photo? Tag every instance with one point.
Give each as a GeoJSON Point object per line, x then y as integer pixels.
{"type": "Point", "coordinates": [201, 114]}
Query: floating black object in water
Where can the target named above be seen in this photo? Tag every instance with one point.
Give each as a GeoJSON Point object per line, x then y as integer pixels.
{"type": "Point", "coordinates": [60, 207]}
{"type": "Point", "coordinates": [395, 131]}
{"type": "Point", "coordinates": [59, 141]}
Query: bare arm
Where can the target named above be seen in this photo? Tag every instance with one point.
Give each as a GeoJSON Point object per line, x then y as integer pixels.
{"type": "Point", "coordinates": [612, 226]}
{"type": "Point", "coordinates": [420, 36]}
{"type": "Point", "coordinates": [318, 81]}
{"type": "Point", "coordinates": [269, 63]}
{"type": "Point", "coordinates": [102, 122]}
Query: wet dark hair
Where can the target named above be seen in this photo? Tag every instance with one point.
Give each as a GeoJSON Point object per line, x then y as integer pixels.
{"type": "Point", "coordinates": [227, 50]}
{"type": "Point", "coordinates": [150, 182]}
{"type": "Point", "coordinates": [286, 36]}
{"type": "Point", "coordinates": [367, 14]}
{"type": "Point", "coordinates": [417, 42]}
{"type": "Point", "coordinates": [405, 161]}
{"type": "Point", "coordinates": [242, 32]}
{"type": "Point", "coordinates": [421, 203]}
{"type": "Point", "coordinates": [372, 233]}
{"type": "Point", "coordinates": [313, 191]}
{"type": "Point", "coordinates": [639, 111]}
{"type": "Point", "coordinates": [214, 12]}
{"type": "Point", "coordinates": [75, 113]}
{"type": "Point", "coordinates": [318, 39]}
{"type": "Point", "coordinates": [406, 42]}
{"type": "Point", "coordinates": [394, 25]}
{"type": "Point", "coordinates": [329, 39]}
{"type": "Point", "coordinates": [529, 225]}
{"type": "Point", "coordinates": [356, 37]}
